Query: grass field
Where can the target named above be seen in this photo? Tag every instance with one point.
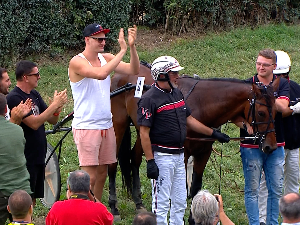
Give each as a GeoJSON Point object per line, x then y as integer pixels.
{"type": "Point", "coordinates": [229, 54]}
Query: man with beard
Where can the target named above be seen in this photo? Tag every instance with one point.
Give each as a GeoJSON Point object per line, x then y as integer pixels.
{"type": "Point", "coordinates": [163, 117]}
{"type": "Point", "coordinates": [17, 113]}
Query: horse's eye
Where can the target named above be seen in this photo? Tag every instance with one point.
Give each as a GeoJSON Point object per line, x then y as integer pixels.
{"type": "Point", "coordinates": [262, 114]}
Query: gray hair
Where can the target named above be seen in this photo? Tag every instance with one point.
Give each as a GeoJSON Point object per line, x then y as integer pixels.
{"type": "Point", "coordinates": [204, 208]}
{"type": "Point", "coordinates": [289, 206]}
{"type": "Point", "coordinates": [79, 182]}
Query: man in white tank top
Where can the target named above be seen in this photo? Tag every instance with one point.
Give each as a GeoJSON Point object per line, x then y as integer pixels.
{"type": "Point", "coordinates": [18, 112]}
{"type": "Point", "coordinates": [89, 74]}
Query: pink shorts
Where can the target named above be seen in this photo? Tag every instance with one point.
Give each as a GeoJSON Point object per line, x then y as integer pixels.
{"type": "Point", "coordinates": [95, 147]}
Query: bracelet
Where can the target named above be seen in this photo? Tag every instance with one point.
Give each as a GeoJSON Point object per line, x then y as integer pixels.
{"type": "Point", "coordinates": [56, 114]}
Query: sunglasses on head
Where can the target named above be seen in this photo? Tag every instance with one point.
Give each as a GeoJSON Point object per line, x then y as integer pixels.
{"type": "Point", "coordinates": [99, 39]}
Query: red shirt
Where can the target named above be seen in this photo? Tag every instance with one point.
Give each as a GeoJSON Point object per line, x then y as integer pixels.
{"type": "Point", "coordinates": [79, 211]}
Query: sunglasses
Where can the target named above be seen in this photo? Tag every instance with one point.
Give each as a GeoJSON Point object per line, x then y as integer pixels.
{"type": "Point", "coordinates": [34, 74]}
{"type": "Point", "coordinates": [100, 39]}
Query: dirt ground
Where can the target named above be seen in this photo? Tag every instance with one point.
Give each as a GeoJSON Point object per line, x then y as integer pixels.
{"type": "Point", "coordinates": [155, 38]}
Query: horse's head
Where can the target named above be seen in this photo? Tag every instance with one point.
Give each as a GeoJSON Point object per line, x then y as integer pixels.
{"type": "Point", "coordinates": [261, 115]}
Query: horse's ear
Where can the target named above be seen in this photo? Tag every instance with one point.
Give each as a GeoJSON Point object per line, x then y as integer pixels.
{"type": "Point", "coordinates": [255, 88]}
{"type": "Point", "coordinates": [275, 83]}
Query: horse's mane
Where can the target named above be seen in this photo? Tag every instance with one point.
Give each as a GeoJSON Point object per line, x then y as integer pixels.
{"type": "Point", "coordinates": [267, 92]}
{"type": "Point", "coordinates": [144, 63]}
{"type": "Point", "coordinates": [234, 80]}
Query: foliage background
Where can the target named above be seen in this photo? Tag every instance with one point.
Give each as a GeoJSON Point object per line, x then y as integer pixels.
{"type": "Point", "coordinates": [53, 26]}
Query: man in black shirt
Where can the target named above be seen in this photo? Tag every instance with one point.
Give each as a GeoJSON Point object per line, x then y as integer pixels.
{"type": "Point", "coordinates": [163, 117]}
{"type": "Point", "coordinates": [27, 76]}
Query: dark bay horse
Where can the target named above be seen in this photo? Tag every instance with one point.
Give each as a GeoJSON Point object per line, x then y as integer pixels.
{"type": "Point", "coordinates": [213, 102]}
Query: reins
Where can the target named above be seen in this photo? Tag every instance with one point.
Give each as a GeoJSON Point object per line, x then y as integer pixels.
{"type": "Point", "coordinates": [190, 91]}
{"type": "Point", "coordinates": [260, 135]}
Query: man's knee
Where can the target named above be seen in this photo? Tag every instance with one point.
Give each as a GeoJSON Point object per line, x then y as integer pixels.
{"type": "Point", "coordinates": [92, 171]}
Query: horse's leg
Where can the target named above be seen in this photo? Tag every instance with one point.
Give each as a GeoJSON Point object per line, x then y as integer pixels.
{"type": "Point", "coordinates": [200, 161]}
{"type": "Point", "coordinates": [137, 153]}
{"type": "Point", "coordinates": [112, 200]}
{"type": "Point", "coordinates": [136, 158]}
{"type": "Point", "coordinates": [120, 121]}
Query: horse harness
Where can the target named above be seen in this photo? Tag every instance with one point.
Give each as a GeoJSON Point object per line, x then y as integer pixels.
{"type": "Point", "coordinates": [259, 135]}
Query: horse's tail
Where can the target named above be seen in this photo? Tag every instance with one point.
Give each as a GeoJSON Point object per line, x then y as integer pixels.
{"type": "Point", "coordinates": [124, 157]}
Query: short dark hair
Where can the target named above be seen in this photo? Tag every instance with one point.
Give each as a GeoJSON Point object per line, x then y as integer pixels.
{"type": "Point", "coordinates": [19, 204]}
{"type": "Point", "coordinates": [2, 104]}
{"type": "Point", "coordinates": [24, 67]}
{"type": "Point", "coordinates": [268, 54]}
{"type": "Point", "coordinates": [79, 182]}
{"type": "Point", "coordinates": [145, 218]}
{"type": "Point", "coordinates": [290, 209]}
{"type": "Point", "coordinates": [2, 70]}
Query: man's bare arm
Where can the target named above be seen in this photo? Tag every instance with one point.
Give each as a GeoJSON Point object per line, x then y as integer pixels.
{"type": "Point", "coordinates": [35, 122]}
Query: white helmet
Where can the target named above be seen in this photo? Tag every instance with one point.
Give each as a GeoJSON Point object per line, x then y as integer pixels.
{"type": "Point", "coordinates": [283, 63]}
{"type": "Point", "coordinates": [163, 65]}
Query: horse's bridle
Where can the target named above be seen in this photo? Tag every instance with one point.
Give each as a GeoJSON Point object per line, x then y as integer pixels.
{"type": "Point", "coordinates": [260, 135]}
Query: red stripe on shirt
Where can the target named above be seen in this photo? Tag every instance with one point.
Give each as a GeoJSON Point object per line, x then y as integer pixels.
{"type": "Point", "coordinates": [284, 97]}
{"type": "Point", "coordinates": [171, 106]}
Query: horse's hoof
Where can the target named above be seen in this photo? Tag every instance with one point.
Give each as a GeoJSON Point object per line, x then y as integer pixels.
{"type": "Point", "coordinates": [140, 208]}
{"type": "Point", "coordinates": [117, 218]}
{"type": "Point", "coordinates": [115, 213]}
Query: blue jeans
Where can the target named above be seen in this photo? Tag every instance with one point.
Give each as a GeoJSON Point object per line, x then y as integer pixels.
{"type": "Point", "coordinates": [254, 160]}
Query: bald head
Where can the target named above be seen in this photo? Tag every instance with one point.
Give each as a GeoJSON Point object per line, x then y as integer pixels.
{"type": "Point", "coordinates": [289, 207]}
{"type": "Point", "coordinates": [19, 204]}
{"type": "Point", "coordinates": [145, 218]}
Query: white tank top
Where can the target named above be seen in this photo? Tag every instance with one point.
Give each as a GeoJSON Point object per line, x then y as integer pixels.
{"type": "Point", "coordinates": [92, 108]}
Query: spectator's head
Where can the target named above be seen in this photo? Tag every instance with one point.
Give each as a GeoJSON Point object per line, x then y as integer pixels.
{"type": "Point", "coordinates": [20, 205]}
{"type": "Point", "coordinates": [268, 54]}
{"type": "Point", "coordinates": [3, 103]}
{"type": "Point", "coordinates": [79, 182]}
{"type": "Point", "coordinates": [289, 207]}
{"type": "Point", "coordinates": [145, 218]}
{"type": "Point", "coordinates": [26, 69]}
{"type": "Point", "coordinates": [266, 63]}
{"type": "Point", "coordinates": [205, 208]}
{"type": "Point", "coordinates": [5, 82]}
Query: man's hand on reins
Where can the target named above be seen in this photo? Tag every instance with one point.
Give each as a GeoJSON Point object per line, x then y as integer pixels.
{"type": "Point", "coordinates": [223, 138]}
